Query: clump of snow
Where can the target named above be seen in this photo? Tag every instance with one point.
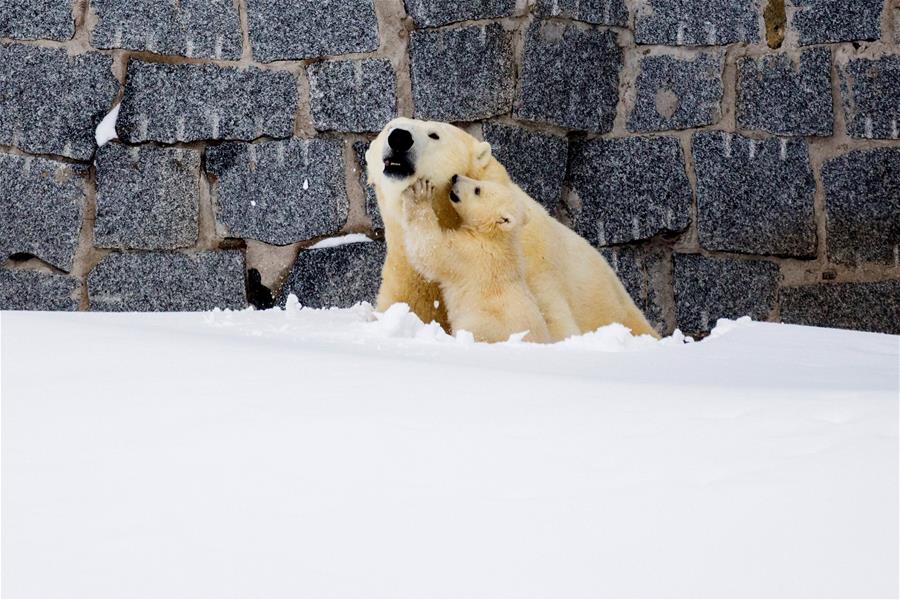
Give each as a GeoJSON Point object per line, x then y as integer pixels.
{"type": "Point", "coordinates": [106, 130]}
{"type": "Point", "coordinates": [332, 242]}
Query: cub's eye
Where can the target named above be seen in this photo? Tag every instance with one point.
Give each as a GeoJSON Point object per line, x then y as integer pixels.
{"type": "Point", "coordinates": [434, 136]}
{"type": "Point", "coordinates": [477, 191]}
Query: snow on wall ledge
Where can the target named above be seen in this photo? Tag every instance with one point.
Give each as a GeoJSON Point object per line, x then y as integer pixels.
{"type": "Point", "coordinates": [728, 158]}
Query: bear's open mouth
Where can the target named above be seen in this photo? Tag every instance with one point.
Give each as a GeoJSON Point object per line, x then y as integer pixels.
{"type": "Point", "coordinates": [398, 167]}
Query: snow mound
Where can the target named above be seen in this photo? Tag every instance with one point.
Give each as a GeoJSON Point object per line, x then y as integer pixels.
{"type": "Point", "coordinates": [343, 240]}
{"type": "Point", "coordinates": [106, 130]}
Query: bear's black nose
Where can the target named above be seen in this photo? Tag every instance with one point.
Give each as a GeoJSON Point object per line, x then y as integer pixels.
{"type": "Point", "coordinates": [400, 140]}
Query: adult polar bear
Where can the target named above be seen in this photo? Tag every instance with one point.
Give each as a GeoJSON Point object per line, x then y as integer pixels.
{"type": "Point", "coordinates": [576, 290]}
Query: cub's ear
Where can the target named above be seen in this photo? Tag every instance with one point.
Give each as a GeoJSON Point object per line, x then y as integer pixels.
{"type": "Point", "coordinates": [482, 155]}
{"type": "Point", "coordinates": [506, 221]}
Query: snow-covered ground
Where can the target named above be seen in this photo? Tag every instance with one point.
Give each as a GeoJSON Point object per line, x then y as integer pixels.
{"type": "Point", "coordinates": [344, 453]}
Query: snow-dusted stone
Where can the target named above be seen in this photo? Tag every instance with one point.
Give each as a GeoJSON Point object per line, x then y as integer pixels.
{"type": "Point", "coordinates": [535, 161]}
{"type": "Point", "coordinates": [279, 192]}
{"type": "Point", "coordinates": [434, 13]}
{"type": "Point", "coordinates": [866, 306]}
{"type": "Point", "coordinates": [777, 96]}
{"type": "Point", "coordinates": [41, 205]}
{"type": "Point", "coordinates": [676, 93]}
{"type": "Point", "coordinates": [32, 290]}
{"type": "Point", "coordinates": [192, 28]}
{"type": "Point", "coordinates": [184, 103]}
{"type": "Point", "coordinates": [282, 30]}
{"type": "Point", "coordinates": [50, 103]}
{"type": "Point", "coordinates": [646, 274]}
{"type": "Point", "coordinates": [359, 151]}
{"type": "Point", "coordinates": [352, 95]}
{"type": "Point", "coordinates": [570, 76]}
{"type": "Point", "coordinates": [629, 188]}
{"type": "Point", "coordinates": [707, 23]}
{"type": "Point", "coordinates": [824, 21]}
{"type": "Point", "coordinates": [147, 198]}
{"type": "Point", "coordinates": [870, 89]}
{"type": "Point", "coordinates": [862, 206]}
{"type": "Point", "coordinates": [340, 276]}
{"type": "Point", "coordinates": [707, 289]}
{"type": "Point", "coordinates": [168, 281]}
{"type": "Point", "coordinates": [599, 12]}
{"type": "Point", "coordinates": [754, 196]}
{"type": "Point", "coordinates": [462, 74]}
{"type": "Point", "coordinates": [37, 19]}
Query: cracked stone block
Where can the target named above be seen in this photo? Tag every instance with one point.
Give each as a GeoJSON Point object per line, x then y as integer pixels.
{"type": "Point", "coordinates": [870, 89]}
{"type": "Point", "coordinates": [41, 205]}
{"type": "Point", "coordinates": [352, 95]}
{"type": "Point", "coordinates": [865, 306]}
{"type": "Point", "coordinates": [336, 277]}
{"type": "Point", "coordinates": [147, 198]}
{"type": "Point", "coordinates": [192, 28]}
{"type": "Point", "coordinates": [51, 103]}
{"type": "Point", "coordinates": [598, 12]}
{"type": "Point", "coordinates": [629, 189]}
{"type": "Point", "coordinates": [359, 151]}
{"type": "Point", "coordinates": [185, 103]}
{"type": "Point", "coordinates": [778, 96]}
{"type": "Point", "coordinates": [646, 274]}
{"type": "Point", "coordinates": [434, 13]}
{"type": "Point", "coordinates": [33, 290]}
{"type": "Point", "coordinates": [37, 19]}
{"type": "Point", "coordinates": [824, 21]}
{"type": "Point", "coordinates": [675, 93]}
{"type": "Point", "coordinates": [279, 192]}
{"type": "Point", "coordinates": [754, 196]}
{"type": "Point", "coordinates": [707, 289]}
{"type": "Point", "coordinates": [570, 76]}
{"type": "Point", "coordinates": [709, 23]}
{"type": "Point", "coordinates": [168, 281]}
{"type": "Point", "coordinates": [282, 30]}
{"type": "Point", "coordinates": [462, 74]}
{"type": "Point", "coordinates": [862, 207]}
{"type": "Point", "coordinates": [535, 161]}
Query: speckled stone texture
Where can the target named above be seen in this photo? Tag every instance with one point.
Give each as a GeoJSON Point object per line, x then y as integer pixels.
{"type": "Point", "coordinates": [282, 30]}
{"type": "Point", "coordinates": [754, 196]}
{"type": "Point", "coordinates": [352, 95]}
{"type": "Point", "coordinates": [776, 96]}
{"type": "Point", "coordinates": [570, 77]}
{"type": "Point", "coordinates": [870, 89]}
{"type": "Point", "coordinates": [434, 13]}
{"type": "Point", "coordinates": [862, 207]}
{"type": "Point", "coordinates": [629, 189]}
{"type": "Point", "coordinates": [168, 281]}
{"type": "Point", "coordinates": [359, 152]}
{"type": "Point", "coordinates": [41, 204]}
{"type": "Point", "coordinates": [340, 276]}
{"type": "Point", "coordinates": [462, 74]}
{"type": "Point", "coordinates": [645, 272]}
{"type": "Point", "coordinates": [866, 306]}
{"type": "Point", "coordinates": [707, 289]}
{"type": "Point", "coordinates": [823, 21]}
{"type": "Point", "coordinates": [675, 93]}
{"type": "Point", "coordinates": [184, 103]}
{"type": "Point", "coordinates": [147, 198]}
{"type": "Point", "coordinates": [279, 192]}
{"type": "Point", "coordinates": [535, 161]}
{"type": "Point", "coordinates": [32, 290]}
{"type": "Point", "coordinates": [50, 103]}
{"type": "Point", "coordinates": [708, 23]}
{"type": "Point", "coordinates": [599, 12]}
{"type": "Point", "coordinates": [37, 19]}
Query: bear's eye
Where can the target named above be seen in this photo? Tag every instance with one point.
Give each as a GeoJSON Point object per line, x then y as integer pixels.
{"type": "Point", "coordinates": [434, 136]}
{"type": "Point", "coordinates": [477, 191]}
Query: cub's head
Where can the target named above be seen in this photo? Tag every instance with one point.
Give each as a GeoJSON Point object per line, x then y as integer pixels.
{"type": "Point", "coordinates": [486, 206]}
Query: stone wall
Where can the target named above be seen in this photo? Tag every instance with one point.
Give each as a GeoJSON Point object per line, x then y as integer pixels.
{"type": "Point", "coordinates": [728, 157]}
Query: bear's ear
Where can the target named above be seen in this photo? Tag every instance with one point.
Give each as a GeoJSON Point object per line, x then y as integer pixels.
{"type": "Point", "coordinates": [482, 155]}
{"type": "Point", "coordinates": [506, 221]}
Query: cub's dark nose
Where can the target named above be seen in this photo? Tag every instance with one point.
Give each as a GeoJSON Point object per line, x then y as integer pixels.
{"type": "Point", "coordinates": [454, 179]}
{"type": "Point", "coordinates": [400, 140]}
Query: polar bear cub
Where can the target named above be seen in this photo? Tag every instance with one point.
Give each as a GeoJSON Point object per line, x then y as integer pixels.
{"type": "Point", "coordinates": [480, 266]}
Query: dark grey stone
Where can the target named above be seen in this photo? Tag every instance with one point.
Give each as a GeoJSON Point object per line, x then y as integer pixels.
{"type": "Point", "coordinates": [192, 28]}
{"type": "Point", "coordinates": [599, 12]}
{"type": "Point", "coordinates": [433, 13]}
{"type": "Point", "coordinates": [341, 276]}
{"type": "Point", "coordinates": [774, 95]}
{"type": "Point", "coordinates": [707, 289]}
{"type": "Point", "coordinates": [279, 192]}
{"type": "Point", "coordinates": [675, 93]}
{"type": "Point", "coordinates": [646, 274]}
{"type": "Point", "coordinates": [147, 198]}
{"type": "Point", "coordinates": [570, 76]}
{"type": "Point", "coordinates": [168, 281]}
{"type": "Point", "coordinates": [41, 204]}
{"type": "Point", "coordinates": [754, 196]}
{"type": "Point", "coordinates": [352, 95]}
{"type": "Point", "coordinates": [709, 23]}
{"type": "Point", "coordinates": [824, 21]}
{"type": "Point", "coordinates": [535, 161]}
{"type": "Point", "coordinates": [51, 103]}
{"type": "Point", "coordinates": [37, 19]}
{"type": "Point", "coordinates": [282, 30]}
{"type": "Point", "coordinates": [630, 188]}
{"type": "Point", "coordinates": [462, 74]}
{"type": "Point", "coordinates": [871, 97]}
{"type": "Point", "coordinates": [866, 306]}
{"type": "Point", "coordinates": [862, 206]}
{"type": "Point", "coordinates": [32, 290]}
{"type": "Point", "coordinates": [359, 151]}
{"type": "Point", "coordinates": [184, 103]}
